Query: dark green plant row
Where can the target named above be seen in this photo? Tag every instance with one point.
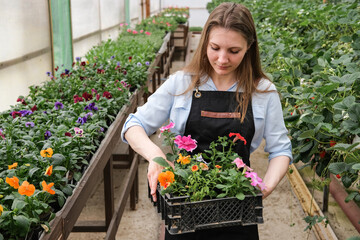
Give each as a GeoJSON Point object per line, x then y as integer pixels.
{"type": "Point", "coordinates": [311, 51]}
{"type": "Point", "coordinates": [51, 134]}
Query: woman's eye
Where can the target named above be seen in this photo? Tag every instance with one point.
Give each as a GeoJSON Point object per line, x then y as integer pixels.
{"type": "Point", "coordinates": [234, 52]}
{"type": "Point", "coordinates": [214, 48]}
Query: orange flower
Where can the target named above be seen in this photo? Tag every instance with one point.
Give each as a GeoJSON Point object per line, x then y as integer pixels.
{"type": "Point", "coordinates": [14, 165]}
{"type": "Point", "coordinates": [218, 166]}
{"type": "Point", "coordinates": [14, 182]}
{"type": "Point", "coordinates": [49, 170]}
{"type": "Point", "coordinates": [47, 152]}
{"type": "Point", "coordinates": [204, 167]}
{"type": "Point", "coordinates": [166, 177]}
{"type": "Point", "coordinates": [167, 184]}
{"type": "Point", "coordinates": [47, 187]}
{"type": "Point", "coordinates": [26, 189]}
{"type": "Point", "coordinates": [1, 209]}
{"type": "Point", "coordinates": [184, 159]}
{"type": "Point", "coordinates": [194, 168]}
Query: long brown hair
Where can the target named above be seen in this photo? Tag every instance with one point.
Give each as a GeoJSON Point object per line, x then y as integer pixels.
{"type": "Point", "coordinates": [235, 17]}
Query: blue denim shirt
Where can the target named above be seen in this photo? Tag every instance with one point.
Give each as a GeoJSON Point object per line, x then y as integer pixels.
{"type": "Point", "coordinates": [169, 102]}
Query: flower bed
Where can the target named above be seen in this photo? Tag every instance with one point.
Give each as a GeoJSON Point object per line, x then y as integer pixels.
{"type": "Point", "coordinates": [49, 138]}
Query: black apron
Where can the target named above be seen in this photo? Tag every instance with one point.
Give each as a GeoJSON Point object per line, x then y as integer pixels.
{"type": "Point", "coordinates": [212, 115]}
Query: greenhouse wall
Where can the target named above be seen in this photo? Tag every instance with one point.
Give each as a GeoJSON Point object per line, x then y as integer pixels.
{"type": "Point", "coordinates": [26, 39]}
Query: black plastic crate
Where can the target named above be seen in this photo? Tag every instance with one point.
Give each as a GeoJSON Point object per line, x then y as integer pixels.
{"type": "Point", "coordinates": [182, 216]}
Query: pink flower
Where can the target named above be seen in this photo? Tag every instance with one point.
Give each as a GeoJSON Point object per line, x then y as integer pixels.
{"type": "Point", "coordinates": [167, 127]}
{"type": "Point", "coordinates": [251, 175]}
{"type": "Point", "coordinates": [185, 143]}
{"type": "Point", "coordinates": [134, 32]}
{"type": "Point", "coordinates": [147, 33]}
{"type": "Point", "coordinates": [141, 31]}
{"type": "Point", "coordinates": [129, 30]}
{"type": "Point", "coordinates": [239, 163]}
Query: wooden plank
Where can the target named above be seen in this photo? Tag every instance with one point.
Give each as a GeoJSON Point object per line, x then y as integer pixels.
{"type": "Point", "coordinates": [119, 210]}
{"type": "Point", "coordinates": [308, 204]}
{"type": "Point", "coordinates": [90, 226]}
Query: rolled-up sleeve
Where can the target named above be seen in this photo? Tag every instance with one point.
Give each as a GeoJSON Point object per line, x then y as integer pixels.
{"type": "Point", "coordinates": [275, 132]}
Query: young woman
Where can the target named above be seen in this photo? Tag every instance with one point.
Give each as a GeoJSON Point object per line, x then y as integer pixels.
{"type": "Point", "coordinates": [222, 90]}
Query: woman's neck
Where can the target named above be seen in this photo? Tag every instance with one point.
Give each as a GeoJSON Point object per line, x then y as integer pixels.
{"type": "Point", "coordinates": [224, 82]}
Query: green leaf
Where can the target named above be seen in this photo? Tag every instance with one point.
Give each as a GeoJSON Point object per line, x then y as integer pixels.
{"type": "Point", "coordinates": [306, 147]}
{"type": "Point", "coordinates": [161, 161]}
{"type": "Point", "coordinates": [23, 222]}
{"type": "Point", "coordinates": [343, 147]}
{"type": "Point", "coordinates": [307, 134]}
{"type": "Point", "coordinates": [57, 159]}
{"type": "Point", "coordinates": [356, 166]}
{"type": "Point", "coordinates": [240, 196]}
{"type": "Point", "coordinates": [222, 195]}
{"type": "Point", "coordinates": [351, 196]}
{"type": "Point", "coordinates": [18, 204]}
{"type": "Point", "coordinates": [184, 174]}
{"type": "Point", "coordinates": [337, 168]}
{"type": "Point", "coordinates": [32, 171]}
{"type": "Point", "coordinates": [1, 237]}
{"type": "Point", "coordinates": [354, 112]}
{"type": "Point", "coordinates": [346, 180]}
{"type": "Point", "coordinates": [60, 168]}
{"type": "Point", "coordinates": [220, 186]}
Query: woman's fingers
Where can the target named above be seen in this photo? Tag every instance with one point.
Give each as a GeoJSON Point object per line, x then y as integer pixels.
{"type": "Point", "coordinates": [153, 172]}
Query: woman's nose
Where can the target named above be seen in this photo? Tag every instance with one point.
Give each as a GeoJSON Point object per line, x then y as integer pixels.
{"type": "Point", "coordinates": [223, 58]}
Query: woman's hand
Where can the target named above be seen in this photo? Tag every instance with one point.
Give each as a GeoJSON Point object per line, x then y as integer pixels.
{"type": "Point", "coordinates": [154, 170]}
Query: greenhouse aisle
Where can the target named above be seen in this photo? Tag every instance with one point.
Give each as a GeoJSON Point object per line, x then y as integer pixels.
{"type": "Point", "coordinates": [283, 215]}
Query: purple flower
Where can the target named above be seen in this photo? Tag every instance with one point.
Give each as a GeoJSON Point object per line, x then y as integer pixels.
{"type": "Point", "coordinates": [48, 73]}
{"type": "Point", "coordinates": [29, 124]}
{"type": "Point", "coordinates": [139, 64]}
{"type": "Point", "coordinates": [89, 114]}
{"type": "Point", "coordinates": [47, 135]}
{"type": "Point", "coordinates": [59, 105]}
{"type": "Point", "coordinates": [1, 134]}
{"type": "Point", "coordinates": [91, 107]}
{"type": "Point", "coordinates": [67, 71]}
{"type": "Point", "coordinates": [112, 57]}
{"type": "Point", "coordinates": [147, 63]}
{"type": "Point", "coordinates": [45, 112]}
{"type": "Point", "coordinates": [101, 129]}
{"type": "Point", "coordinates": [25, 112]}
{"type": "Point", "coordinates": [82, 120]}
{"type": "Point", "coordinates": [78, 59]}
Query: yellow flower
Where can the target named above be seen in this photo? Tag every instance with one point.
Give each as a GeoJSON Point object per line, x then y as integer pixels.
{"type": "Point", "coordinates": [27, 164]}
{"type": "Point", "coordinates": [1, 209]}
{"type": "Point", "coordinates": [49, 170]}
{"type": "Point", "coordinates": [12, 166]}
{"type": "Point", "coordinates": [47, 152]}
{"type": "Point", "coordinates": [184, 159]}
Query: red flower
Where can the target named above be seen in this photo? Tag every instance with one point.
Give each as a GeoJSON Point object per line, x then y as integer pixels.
{"type": "Point", "coordinates": [238, 136]}
{"type": "Point", "coordinates": [57, 68]}
{"type": "Point", "coordinates": [100, 71]}
{"type": "Point", "coordinates": [34, 108]}
{"type": "Point", "coordinates": [107, 95]}
{"type": "Point", "coordinates": [332, 143]}
{"type": "Point", "coordinates": [77, 99]}
{"type": "Point", "coordinates": [97, 97]}
{"type": "Point", "coordinates": [83, 63]}
{"type": "Point", "coordinates": [22, 101]}
{"type": "Point", "coordinates": [338, 176]}
{"type": "Point", "coordinates": [87, 96]}
{"type": "Point", "coordinates": [68, 134]}
{"type": "Point", "coordinates": [322, 154]}
{"type": "Point", "coordinates": [14, 114]}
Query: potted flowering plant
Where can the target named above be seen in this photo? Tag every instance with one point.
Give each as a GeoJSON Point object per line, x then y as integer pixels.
{"type": "Point", "coordinates": [214, 183]}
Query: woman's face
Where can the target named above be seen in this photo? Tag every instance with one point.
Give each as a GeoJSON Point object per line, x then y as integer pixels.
{"type": "Point", "coordinates": [225, 51]}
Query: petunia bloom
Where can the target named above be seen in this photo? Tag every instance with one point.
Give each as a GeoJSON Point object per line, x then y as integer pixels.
{"type": "Point", "coordinates": [13, 182]}
{"type": "Point", "coordinates": [47, 152]}
{"type": "Point", "coordinates": [165, 177]}
{"type": "Point", "coordinates": [47, 187]}
{"type": "Point", "coordinates": [237, 137]}
{"type": "Point", "coordinates": [185, 143]}
{"type": "Point", "coordinates": [49, 170]}
{"type": "Point", "coordinates": [12, 166]}
{"type": "Point", "coordinates": [167, 127]}
{"type": "Point", "coordinates": [239, 163]}
{"type": "Point", "coordinates": [184, 159]}
{"type": "Point", "coordinates": [26, 189]}
{"type": "Point", "coordinates": [59, 105]}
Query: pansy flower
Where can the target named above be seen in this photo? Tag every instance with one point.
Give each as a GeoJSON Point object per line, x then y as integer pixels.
{"type": "Point", "coordinates": [13, 182]}
{"type": "Point", "coordinates": [67, 134]}
{"type": "Point", "coordinates": [77, 99]}
{"type": "Point", "coordinates": [47, 187]}
{"type": "Point", "coordinates": [49, 170]}
{"type": "Point", "coordinates": [47, 135]}
{"type": "Point", "coordinates": [79, 132]}
{"type": "Point", "coordinates": [26, 189]}
{"type": "Point", "coordinates": [14, 114]}
{"type": "Point", "coordinates": [81, 120]}
{"type": "Point", "coordinates": [29, 124]}
{"type": "Point", "coordinates": [34, 108]}
{"type": "Point", "coordinates": [91, 107]}
{"type": "Point", "coordinates": [107, 95]}
{"type": "Point", "coordinates": [1, 209]}
{"type": "Point", "coordinates": [59, 105]}
{"type": "Point", "coordinates": [87, 96]}
{"type": "Point", "coordinates": [2, 134]}
{"type": "Point", "coordinates": [166, 177]}
{"type": "Point", "coordinates": [12, 166]}
{"type": "Point", "coordinates": [183, 159]}
{"type": "Point", "coordinates": [47, 152]}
